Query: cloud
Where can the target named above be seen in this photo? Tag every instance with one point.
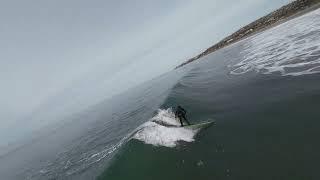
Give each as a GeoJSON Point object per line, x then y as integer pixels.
{"type": "Point", "coordinates": [60, 57]}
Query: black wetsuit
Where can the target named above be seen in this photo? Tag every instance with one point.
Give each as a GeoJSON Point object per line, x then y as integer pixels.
{"type": "Point", "coordinates": [181, 113]}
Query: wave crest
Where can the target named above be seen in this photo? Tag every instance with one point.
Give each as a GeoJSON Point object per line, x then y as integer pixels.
{"type": "Point", "coordinates": [163, 130]}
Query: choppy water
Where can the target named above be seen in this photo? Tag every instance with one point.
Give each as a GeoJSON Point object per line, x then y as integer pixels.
{"type": "Point", "coordinates": [263, 92]}
{"type": "Point", "coordinates": [290, 49]}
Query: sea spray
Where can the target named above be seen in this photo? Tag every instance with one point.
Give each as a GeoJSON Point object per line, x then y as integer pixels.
{"type": "Point", "coordinates": [155, 131]}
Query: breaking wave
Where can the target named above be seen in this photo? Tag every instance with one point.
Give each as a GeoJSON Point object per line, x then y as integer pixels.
{"type": "Point", "coordinates": [161, 130]}
{"type": "Point", "coordinates": [64, 166]}
{"type": "Point", "coordinates": [164, 130]}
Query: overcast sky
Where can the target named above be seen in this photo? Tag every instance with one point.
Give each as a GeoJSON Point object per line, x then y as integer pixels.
{"type": "Point", "coordinates": [74, 53]}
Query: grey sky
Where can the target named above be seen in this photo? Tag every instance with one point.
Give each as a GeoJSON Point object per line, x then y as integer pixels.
{"type": "Point", "coordinates": [68, 55]}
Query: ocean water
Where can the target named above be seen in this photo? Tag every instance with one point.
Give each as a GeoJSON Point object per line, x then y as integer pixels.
{"type": "Point", "coordinates": [263, 93]}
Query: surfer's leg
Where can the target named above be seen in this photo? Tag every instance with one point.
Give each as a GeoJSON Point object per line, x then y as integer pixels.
{"type": "Point", "coordinates": [180, 118]}
{"type": "Point", "coordinates": [184, 117]}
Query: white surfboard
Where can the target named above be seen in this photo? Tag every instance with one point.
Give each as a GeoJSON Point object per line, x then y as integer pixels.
{"type": "Point", "coordinates": [200, 125]}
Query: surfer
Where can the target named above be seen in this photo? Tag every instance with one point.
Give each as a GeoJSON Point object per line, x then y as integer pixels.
{"type": "Point", "coordinates": [181, 113]}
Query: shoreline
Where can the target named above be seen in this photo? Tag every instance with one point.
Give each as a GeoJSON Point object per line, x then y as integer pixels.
{"type": "Point", "coordinates": [275, 18]}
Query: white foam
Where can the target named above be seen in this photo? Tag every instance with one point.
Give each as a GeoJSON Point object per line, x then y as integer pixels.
{"type": "Point", "coordinates": [150, 132]}
{"type": "Point", "coordinates": [72, 166]}
{"type": "Point", "coordinates": [291, 49]}
{"type": "Point", "coordinates": [166, 116]}
{"type": "Point", "coordinates": [156, 134]}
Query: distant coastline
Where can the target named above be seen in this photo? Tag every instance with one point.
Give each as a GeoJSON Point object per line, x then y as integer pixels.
{"type": "Point", "coordinates": [294, 9]}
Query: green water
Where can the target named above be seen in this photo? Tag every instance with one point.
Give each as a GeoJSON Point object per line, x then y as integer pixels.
{"type": "Point", "coordinates": [267, 127]}
{"type": "Point", "coordinates": [276, 140]}
{"type": "Point", "coordinates": [263, 92]}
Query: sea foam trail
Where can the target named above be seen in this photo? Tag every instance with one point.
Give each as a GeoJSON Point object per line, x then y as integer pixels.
{"type": "Point", "coordinates": [163, 130]}
{"type": "Point", "coordinates": [291, 49]}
